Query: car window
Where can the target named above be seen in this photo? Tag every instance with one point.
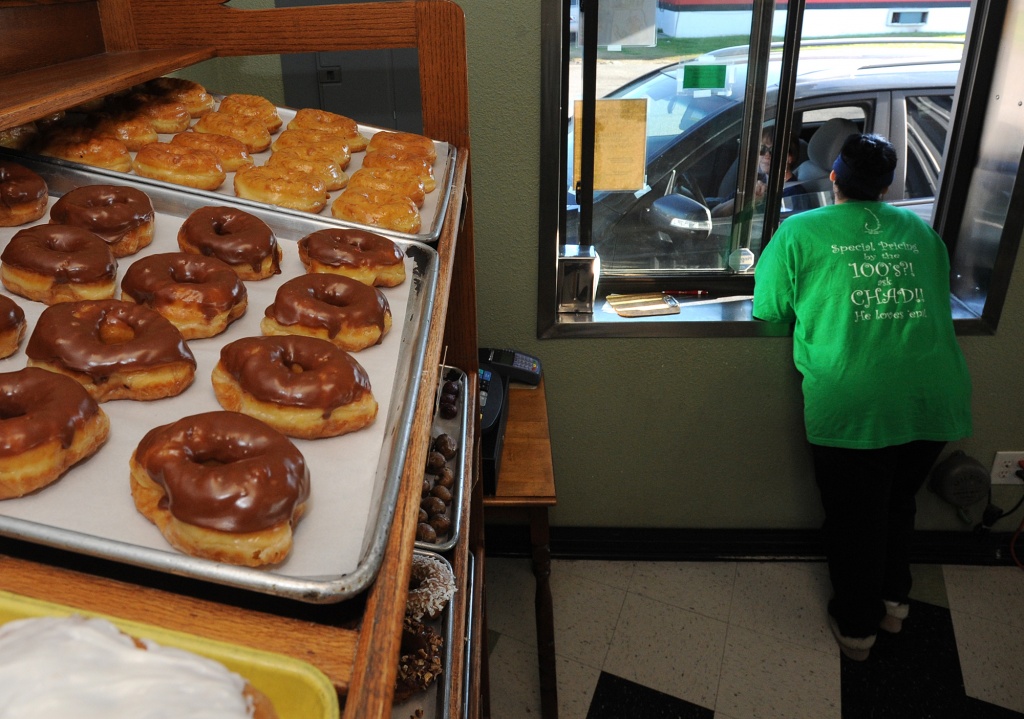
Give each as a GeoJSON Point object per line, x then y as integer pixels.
{"type": "Point", "coordinates": [928, 120]}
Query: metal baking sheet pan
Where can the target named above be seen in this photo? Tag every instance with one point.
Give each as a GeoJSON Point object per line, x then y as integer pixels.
{"type": "Point", "coordinates": [432, 214]}
{"type": "Point", "coordinates": [457, 427]}
{"type": "Point", "coordinates": [435, 702]}
{"type": "Point", "coordinates": [339, 543]}
{"type": "Point", "coordinates": [298, 690]}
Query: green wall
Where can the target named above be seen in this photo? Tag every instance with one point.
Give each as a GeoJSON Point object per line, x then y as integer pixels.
{"type": "Point", "coordinates": [695, 433]}
{"type": "Point", "coordinates": [692, 433]}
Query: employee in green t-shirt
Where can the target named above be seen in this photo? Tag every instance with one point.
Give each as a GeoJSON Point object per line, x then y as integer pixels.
{"type": "Point", "coordinates": [885, 385]}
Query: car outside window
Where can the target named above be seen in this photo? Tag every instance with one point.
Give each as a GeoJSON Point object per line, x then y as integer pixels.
{"type": "Point", "coordinates": [694, 143]}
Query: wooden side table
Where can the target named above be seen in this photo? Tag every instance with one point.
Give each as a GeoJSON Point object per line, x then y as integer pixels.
{"type": "Point", "coordinates": [526, 487]}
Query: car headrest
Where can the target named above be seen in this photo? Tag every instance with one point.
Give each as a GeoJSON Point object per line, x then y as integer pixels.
{"type": "Point", "coordinates": [825, 144]}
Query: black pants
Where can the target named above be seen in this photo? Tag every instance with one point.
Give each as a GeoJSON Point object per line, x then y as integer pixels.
{"type": "Point", "coordinates": [869, 501]}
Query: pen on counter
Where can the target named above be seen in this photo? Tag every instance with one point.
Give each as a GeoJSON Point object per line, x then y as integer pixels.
{"type": "Point", "coordinates": [685, 293]}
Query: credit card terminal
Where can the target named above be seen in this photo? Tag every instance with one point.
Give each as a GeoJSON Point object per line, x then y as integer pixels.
{"type": "Point", "coordinates": [514, 365]}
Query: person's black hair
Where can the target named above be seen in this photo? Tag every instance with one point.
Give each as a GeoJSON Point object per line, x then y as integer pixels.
{"type": "Point", "coordinates": [865, 167]}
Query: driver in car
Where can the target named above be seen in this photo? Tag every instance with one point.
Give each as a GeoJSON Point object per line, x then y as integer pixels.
{"type": "Point", "coordinates": [723, 206]}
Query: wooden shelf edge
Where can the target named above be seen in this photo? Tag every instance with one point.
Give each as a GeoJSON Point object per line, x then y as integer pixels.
{"type": "Point", "coordinates": [33, 94]}
{"type": "Point", "coordinates": [370, 694]}
{"type": "Point", "coordinates": [330, 649]}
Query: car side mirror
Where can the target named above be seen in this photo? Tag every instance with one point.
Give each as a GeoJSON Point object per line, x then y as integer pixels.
{"type": "Point", "coordinates": [680, 216]}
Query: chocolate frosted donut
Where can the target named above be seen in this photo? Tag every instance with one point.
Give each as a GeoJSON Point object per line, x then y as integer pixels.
{"type": "Point", "coordinates": [221, 485]}
{"type": "Point", "coordinates": [122, 216]}
{"type": "Point", "coordinates": [365, 256]}
{"type": "Point", "coordinates": [115, 349]}
{"type": "Point", "coordinates": [200, 295]}
{"type": "Point", "coordinates": [419, 662]}
{"type": "Point", "coordinates": [49, 422]}
{"type": "Point", "coordinates": [12, 326]}
{"type": "Point", "coordinates": [58, 263]}
{"type": "Point", "coordinates": [234, 236]}
{"type": "Point", "coordinates": [301, 386]}
{"type": "Point", "coordinates": [334, 307]}
{"type": "Point", "coordinates": [23, 195]}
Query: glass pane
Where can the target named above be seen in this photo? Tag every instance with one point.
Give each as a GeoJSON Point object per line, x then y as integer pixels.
{"type": "Point", "coordinates": [692, 141]}
{"type": "Point", "coordinates": [993, 179]}
{"type": "Point", "coordinates": [693, 81]}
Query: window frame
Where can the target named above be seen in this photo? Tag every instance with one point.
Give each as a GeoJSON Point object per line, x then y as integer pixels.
{"type": "Point", "coordinates": [981, 52]}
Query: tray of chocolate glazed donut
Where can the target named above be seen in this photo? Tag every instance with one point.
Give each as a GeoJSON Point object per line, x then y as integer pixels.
{"type": "Point", "coordinates": [354, 478]}
{"type": "Point", "coordinates": [125, 123]}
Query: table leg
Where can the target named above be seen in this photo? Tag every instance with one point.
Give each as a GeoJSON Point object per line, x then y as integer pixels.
{"type": "Point", "coordinates": [540, 540]}
{"type": "Point", "coordinates": [485, 664]}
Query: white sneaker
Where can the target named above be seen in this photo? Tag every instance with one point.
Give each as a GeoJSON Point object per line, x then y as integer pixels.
{"type": "Point", "coordinates": [895, 613]}
{"type": "Point", "coordinates": [856, 648]}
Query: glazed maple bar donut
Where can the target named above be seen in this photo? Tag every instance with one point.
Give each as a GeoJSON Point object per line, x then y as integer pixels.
{"type": "Point", "coordinates": [254, 107]}
{"type": "Point", "coordinates": [115, 349]}
{"type": "Point", "coordinates": [365, 256]}
{"type": "Point", "coordinates": [402, 182]}
{"type": "Point", "coordinates": [87, 668]}
{"type": "Point", "coordinates": [200, 295]}
{"type": "Point", "coordinates": [309, 118]}
{"type": "Point", "coordinates": [49, 423]}
{"type": "Point", "coordinates": [240, 239]}
{"type": "Point", "coordinates": [284, 188]}
{"type": "Point", "coordinates": [19, 137]}
{"type": "Point", "coordinates": [164, 113]}
{"type": "Point", "coordinates": [23, 194]}
{"type": "Point", "coordinates": [12, 326]}
{"type": "Point", "coordinates": [222, 486]}
{"type": "Point", "coordinates": [312, 160]}
{"type": "Point", "coordinates": [403, 161]}
{"type": "Point", "coordinates": [334, 146]}
{"type": "Point", "coordinates": [378, 208]}
{"type": "Point", "coordinates": [134, 131]}
{"type": "Point", "coordinates": [301, 386]}
{"type": "Point", "coordinates": [58, 263]}
{"type": "Point", "coordinates": [191, 94]}
{"type": "Point", "coordinates": [179, 165]}
{"type": "Point", "coordinates": [230, 152]}
{"type": "Point", "coordinates": [251, 133]}
{"type": "Point", "coordinates": [388, 141]}
{"type": "Point", "coordinates": [350, 314]}
{"type": "Point", "coordinates": [78, 144]}
{"type": "Point", "coordinates": [121, 215]}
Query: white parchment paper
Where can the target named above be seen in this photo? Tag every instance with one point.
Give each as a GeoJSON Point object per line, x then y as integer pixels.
{"type": "Point", "coordinates": [93, 498]}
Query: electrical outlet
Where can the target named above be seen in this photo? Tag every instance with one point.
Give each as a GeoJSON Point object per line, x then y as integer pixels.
{"type": "Point", "coordinates": [1004, 468]}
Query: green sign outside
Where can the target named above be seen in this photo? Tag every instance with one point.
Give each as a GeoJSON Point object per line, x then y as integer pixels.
{"type": "Point", "coordinates": [703, 77]}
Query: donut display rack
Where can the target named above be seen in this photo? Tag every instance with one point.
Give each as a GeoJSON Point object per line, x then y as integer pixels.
{"type": "Point", "coordinates": [355, 478]}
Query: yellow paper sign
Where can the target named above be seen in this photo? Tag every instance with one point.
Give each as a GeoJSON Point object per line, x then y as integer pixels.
{"type": "Point", "coordinates": [620, 144]}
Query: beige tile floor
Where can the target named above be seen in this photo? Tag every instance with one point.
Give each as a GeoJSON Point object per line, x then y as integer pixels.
{"type": "Point", "coordinates": [746, 640]}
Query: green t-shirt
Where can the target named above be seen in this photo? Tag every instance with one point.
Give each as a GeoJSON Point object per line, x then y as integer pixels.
{"type": "Point", "coordinates": [867, 286]}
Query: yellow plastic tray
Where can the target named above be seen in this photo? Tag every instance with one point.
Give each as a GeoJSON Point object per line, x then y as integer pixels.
{"type": "Point", "coordinates": [298, 689]}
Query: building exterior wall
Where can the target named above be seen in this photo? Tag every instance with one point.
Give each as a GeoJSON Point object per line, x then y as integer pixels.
{"type": "Point", "coordinates": [818, 22]}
